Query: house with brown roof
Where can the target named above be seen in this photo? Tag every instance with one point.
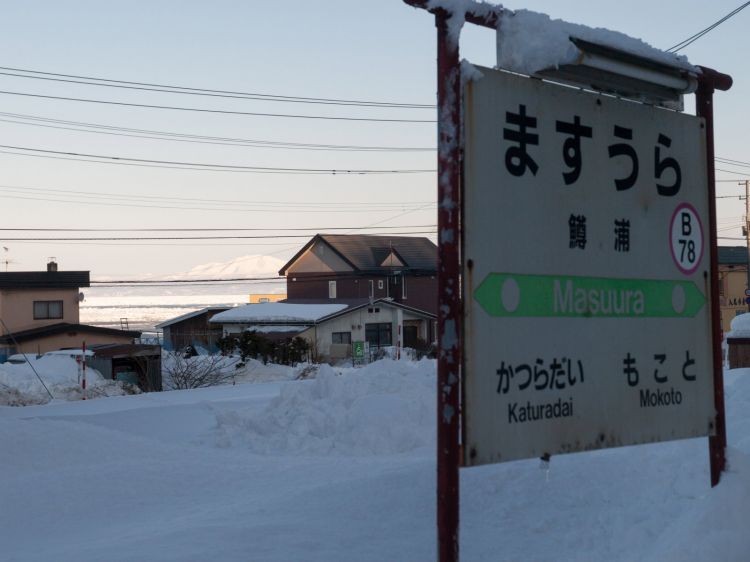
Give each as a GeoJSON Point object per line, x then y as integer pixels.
{"type": "Point", "coordinates": [39, 312]}
{"type": "Point", "coordinates": [363, 266]}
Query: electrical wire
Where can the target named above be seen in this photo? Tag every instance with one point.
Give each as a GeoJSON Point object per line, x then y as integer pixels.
{"type": "Point", "coordinates": [220, 111]}
{"type": "Point", "coordinates": [205, 91]}
{"type": "Point", "coordinates": [693, 38]}
{"type": "Point", "coordinates": [90, 199]}
{"type": "Point", "coordinates": [128, 132]}
{"type": "Point", "coordinates": [235, 237]}
{"type": "Point", "coordinates": [206, 167]}
{"type": "Point", "coordinates": [316, 229]}
{"type": "Point", "coordinates": [732, 172]}
{"type": "Point", "coordinates": [307, 278]}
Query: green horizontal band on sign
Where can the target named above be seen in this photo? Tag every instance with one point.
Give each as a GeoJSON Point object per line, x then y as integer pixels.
{"type": "Point", "coordinates": [517, 295]}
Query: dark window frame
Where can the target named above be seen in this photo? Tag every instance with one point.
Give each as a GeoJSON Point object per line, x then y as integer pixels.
{"type": "Point", "coordinates": [41, 310]}
{"type": "Point", "coordinates": [379, 334]}
{"type": "Point", "coordinates": [339, 336]}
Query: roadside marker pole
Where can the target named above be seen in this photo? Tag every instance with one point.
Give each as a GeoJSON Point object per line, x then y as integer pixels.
{"type": "Point", "coordinates": [83, 370]}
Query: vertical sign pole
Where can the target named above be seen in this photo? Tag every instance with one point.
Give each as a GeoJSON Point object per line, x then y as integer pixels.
{"type": "Point", "coordinates": [83, 367]}
{"type": "Point", "coordinates": [717, 443]}
{"type": "Point", "coordinates": [449, 304]}
{"type": "Point", "coordinates": [747, 235]}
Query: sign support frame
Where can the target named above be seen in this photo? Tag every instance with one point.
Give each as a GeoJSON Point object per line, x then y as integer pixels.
{"type": "Point", "coordinates": [450, 304]}
{"type": "Point", "coordinates": [709, 81]}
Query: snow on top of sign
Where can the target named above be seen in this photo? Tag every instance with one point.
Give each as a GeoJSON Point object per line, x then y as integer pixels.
{"type": "Point", "coordinates": [458, 10]}
{"type": "Point", "coordinates": [469, 72]}
{"type": "Point", "coordinates": [528, 42]}
{"type": "Point", "coordinates": [740, 326]}
{"type": "Point", "coordinates": [277, 312]}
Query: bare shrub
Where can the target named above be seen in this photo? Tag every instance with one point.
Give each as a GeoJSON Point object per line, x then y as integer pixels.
{"type": "Point", "coordinates": [182, 372]}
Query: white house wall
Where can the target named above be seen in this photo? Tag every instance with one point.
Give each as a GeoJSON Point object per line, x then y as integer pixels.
{"type": "Point", "coordinates": [355, 322]}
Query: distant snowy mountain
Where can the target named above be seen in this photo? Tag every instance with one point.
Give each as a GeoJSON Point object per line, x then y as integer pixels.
{"type": "Point", "coordinates": [244, 266]}
{"type": "Point", "coordinates": [147, 305]}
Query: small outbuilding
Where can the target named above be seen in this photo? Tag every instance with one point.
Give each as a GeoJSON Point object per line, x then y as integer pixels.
{"type": "Point", "coordinates": [134, 363]}
{"type": "Point", "coordinates": [192, 329]}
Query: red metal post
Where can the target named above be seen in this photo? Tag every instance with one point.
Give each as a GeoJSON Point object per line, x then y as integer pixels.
{"type": "Point", "coordinates": [449, 301]}
{"type": "Point", "coordinates": [450, 310]}
{"type": "Point", "coordinates": [708, 82]}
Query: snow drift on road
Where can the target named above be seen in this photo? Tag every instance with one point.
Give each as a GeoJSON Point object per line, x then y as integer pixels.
{"type": "Point", "coordinates": [385, 408]}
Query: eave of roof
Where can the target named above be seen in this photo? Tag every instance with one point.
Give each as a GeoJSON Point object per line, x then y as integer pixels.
{"type": "Point", "coordinates": [44, 279]}
{"type": "Point", "coordinates": [53, 329]}
{"type": "Point", "coordinates": [189, 315]}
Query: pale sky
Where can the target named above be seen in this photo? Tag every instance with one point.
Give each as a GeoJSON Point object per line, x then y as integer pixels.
{"type": "Point", "coordinates": [374, 50]}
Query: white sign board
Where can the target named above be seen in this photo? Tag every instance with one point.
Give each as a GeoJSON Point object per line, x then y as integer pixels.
{"type": "Point", "coordinates": [586, 272]}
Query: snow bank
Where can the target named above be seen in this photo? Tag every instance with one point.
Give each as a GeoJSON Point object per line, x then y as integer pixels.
{"type": "Point", "coordinates": [528, 42]}
{"type": "Point", "coordinates": [739, 327]}
{"type": "Point", "coordinates": [19, 386]}
{"type": "Point", "coordinates": [385, 408]}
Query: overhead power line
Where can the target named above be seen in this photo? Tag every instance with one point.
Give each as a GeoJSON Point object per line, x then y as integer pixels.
{"type": "Point", "coordinates": [207, 167]}
{"type": "Point", "coordinates": [693, 38]}
{"type": "Point", "coordinates": [733, 172]}
{"type": "Point", "coordinates": [83, 127]}
{"type": "Point", "coordinates": [275, 279]}
{"type": "Point", "coordinates": [312, 228]}
{"type": "Point", "coordinates": [93, 81]}
{"type": "Point", "coordinates": [130, 238]}
{"type": "Point", "coordinates": [731, 162]}
{"type": "Point", "coordinates": [79, 197]}
{"type": "Point", "coordinates": [221, 111]}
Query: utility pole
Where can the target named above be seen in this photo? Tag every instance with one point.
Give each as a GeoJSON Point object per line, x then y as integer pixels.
{"type": "Point", "coordinates": [747, 234]}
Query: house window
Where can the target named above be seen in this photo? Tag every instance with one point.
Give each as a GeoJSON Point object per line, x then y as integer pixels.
{"type": "Point", "coordinates": [378, 334]}
{"type": "Point", "coordinates": [341, 337]}
{"type": "Point", "coordinates": [372, 288]}
{"type": "Point", "coordinates": [380, 283]}
{"type": "Point", "coordinates": [403, 288]}
{"type": "Point", "coordinates": [262, 300]}
{"type": "Point", "coordinates": [332, 289]}
{"type": "Point", "coordinates": [46, 310]}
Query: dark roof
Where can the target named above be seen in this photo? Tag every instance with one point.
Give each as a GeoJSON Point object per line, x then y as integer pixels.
{"type": "Point", "coordinates": [44, 279]}
{"type": "Point", "coordinates": [364, 252]}
{"type": "Point", "coordinates": [732, 255]}
{"type": "Point", "coordinates": [117, 350]}
{"type": "Point", "coordinates": [177, 319]}
{"type": "Point", "coordinates": [61, 327]}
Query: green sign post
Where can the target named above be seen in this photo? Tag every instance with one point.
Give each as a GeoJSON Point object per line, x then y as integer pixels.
{"type": "Point", "coordinates": [358, 350]}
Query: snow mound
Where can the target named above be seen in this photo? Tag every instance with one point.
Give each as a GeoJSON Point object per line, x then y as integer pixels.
{"type": "Point", "coordinates": [19, 386]}
{"type": "Point", "coordinates": [385, 408]}
{"type": "Point", "coordinates": [740, 326]}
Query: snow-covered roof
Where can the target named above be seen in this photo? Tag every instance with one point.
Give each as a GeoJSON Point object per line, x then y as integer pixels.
{"type": "Point", "coordinates": [188, 315]}
{"type": "Point", "coordinates": [276, 312]}
{"type": "Point", "coordinates": [529, 42]}
{"type": "Point", "coordinates": [276, 328]}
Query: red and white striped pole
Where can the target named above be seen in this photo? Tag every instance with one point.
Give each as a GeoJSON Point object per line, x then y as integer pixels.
{"type": "Point", "coordinates": [83, 370]}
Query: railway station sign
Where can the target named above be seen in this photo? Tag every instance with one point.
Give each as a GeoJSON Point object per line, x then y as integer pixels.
{"type": "Point", "coordinates": [586, 272]}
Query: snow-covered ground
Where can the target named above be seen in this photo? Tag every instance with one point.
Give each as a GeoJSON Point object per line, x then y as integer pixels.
{"type": "Point", "coordinates": [342, 468]}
